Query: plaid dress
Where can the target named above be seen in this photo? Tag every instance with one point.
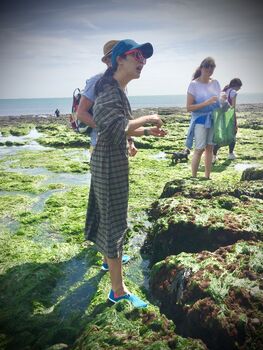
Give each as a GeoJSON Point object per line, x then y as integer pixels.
{"type": "Point", "coordinates": [106, 220]}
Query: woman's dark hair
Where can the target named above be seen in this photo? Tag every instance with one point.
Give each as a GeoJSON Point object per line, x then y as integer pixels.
{"type": "Point", "coordinates": [208, 61]}
{"type": "Point", "coordinates": [236, 82]}
{"type": "Point", "coordinates": [106, 79]}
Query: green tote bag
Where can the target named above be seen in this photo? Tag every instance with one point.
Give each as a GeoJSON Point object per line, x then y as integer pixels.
{"type": "Point", "coordinates": [224, 126]}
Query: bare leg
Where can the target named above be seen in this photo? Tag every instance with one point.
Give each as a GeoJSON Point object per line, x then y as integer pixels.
{"type": "Point", "coordinates": [115, 268]}
{"type": "Point", "coordinates": [196, 161]}
{"type": "Point", "coordinates": [208, 160]}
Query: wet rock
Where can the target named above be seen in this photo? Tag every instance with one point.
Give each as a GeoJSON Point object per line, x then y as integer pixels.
{"type": "Point", "coordinates": [123, 327]}
{"type": "Point", "coordinates": [252, 174]}
{"type": "Point", "coordinates": [193, 217]}
{"type": "Point", "coordinates": [219, 303]}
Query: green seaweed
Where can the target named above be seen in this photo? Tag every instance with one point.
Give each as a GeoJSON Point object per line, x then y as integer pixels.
{"type": "Point", "coordinates": [224, 290]}
{"type": "Point", "coordinates": [53, 294]}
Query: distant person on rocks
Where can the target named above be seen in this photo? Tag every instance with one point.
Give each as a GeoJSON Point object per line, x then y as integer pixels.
{"type": "Point", "coordinates": [57, 113]}
{"type": "Point", "coordinates": [84, 112]}
{"type": "Point", "coordinates": [106, 221]}
{"type": "Point", "coordinates": [231, 94]}
{"type": "Point", "coordinates": [203, 96]}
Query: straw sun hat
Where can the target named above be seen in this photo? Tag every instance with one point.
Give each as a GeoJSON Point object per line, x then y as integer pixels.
{"type": "Point", "coordinates": [107, 49]}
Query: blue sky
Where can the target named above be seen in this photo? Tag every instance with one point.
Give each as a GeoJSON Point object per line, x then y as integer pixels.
{"type": "Point", "coordinates": [50, 47]}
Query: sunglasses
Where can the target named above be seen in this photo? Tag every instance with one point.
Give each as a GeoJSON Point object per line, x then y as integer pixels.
{"type": "Point", "coordinates": [208, 65]}
{"type": "Point", "coordinates": [137, 55]}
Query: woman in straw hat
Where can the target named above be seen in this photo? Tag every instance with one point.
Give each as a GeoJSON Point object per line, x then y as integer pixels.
{"type": "Point", "coordinates": [84, 112]}
{"type": "Point", "coordinates": [106, 222]}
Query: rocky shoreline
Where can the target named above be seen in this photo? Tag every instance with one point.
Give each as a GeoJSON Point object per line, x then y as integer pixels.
{"type": "Point", "coordinates": [45, 119]}
{"type": "Point", "coordinates": [196, 245]}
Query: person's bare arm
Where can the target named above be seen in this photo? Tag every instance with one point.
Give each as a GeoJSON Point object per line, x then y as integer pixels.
{"type": "Point", "coordinates": [152, 131]}
{"type": "Point", "coordinates": [191, 106]}
{"type": "Point", "coordinates": [135, 124]}
{"type": "Point", "coordinates": [82, 112]}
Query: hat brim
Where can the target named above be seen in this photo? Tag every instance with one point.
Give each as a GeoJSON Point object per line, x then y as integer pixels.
{"type": "Point", "coordinates": [103, 59]}
{"type": "Point", "coordinates": [146, 49]}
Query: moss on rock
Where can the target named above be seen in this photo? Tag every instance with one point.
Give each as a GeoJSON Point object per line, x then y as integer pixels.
{"type": "Point", "coordinates": [220, 300]}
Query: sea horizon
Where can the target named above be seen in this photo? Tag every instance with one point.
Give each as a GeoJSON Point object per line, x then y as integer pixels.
{"type": "Point", "coordinates": [47, 106]}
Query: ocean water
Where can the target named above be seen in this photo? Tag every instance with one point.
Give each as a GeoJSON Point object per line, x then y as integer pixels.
{"type": "Point", "coordinates": [46, 106]}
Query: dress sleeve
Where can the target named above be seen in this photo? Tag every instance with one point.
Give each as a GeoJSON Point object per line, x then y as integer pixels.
{"type": "Point", "coordinates": [110, 117]}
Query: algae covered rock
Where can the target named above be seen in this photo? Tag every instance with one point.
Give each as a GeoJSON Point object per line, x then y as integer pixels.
{"type": "Point", "coordinates": [252, 174]}
{"type": "Point", "coordinates": [123, 327]}
{"type": "Point", "coordinates": [197, 217]}
{"type": "Point", "coordinates": [192, 188]}
{"type": "Point", "coordinates": [214, 296]}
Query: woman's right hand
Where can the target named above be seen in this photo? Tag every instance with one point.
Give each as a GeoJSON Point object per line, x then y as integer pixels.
{"type": "Point", "coordinates": [211, 100]}
{"type": "Point", "coordinates": [155, 119]}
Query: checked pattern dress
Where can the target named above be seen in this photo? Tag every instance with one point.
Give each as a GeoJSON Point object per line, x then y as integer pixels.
{"type": "Point", "coordinates": [106, 220]}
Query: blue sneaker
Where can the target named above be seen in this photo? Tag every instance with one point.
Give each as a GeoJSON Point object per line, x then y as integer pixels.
{"type": "Point", "coordinates": [125, 259]}
{"type": "Point", "coordinates": [133, 299]}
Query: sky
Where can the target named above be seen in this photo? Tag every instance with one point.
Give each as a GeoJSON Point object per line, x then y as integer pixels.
{"type": "Point", "coordinates": [50, 47]}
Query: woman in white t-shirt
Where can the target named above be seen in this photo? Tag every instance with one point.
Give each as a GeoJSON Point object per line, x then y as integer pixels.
{"type": "Point", "coordinates": [231, 93]}
{"type": "Point", "coordinates": [203, 96]}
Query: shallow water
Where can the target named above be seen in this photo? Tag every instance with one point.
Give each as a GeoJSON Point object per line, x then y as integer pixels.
{"type": "Point", "coordinates": [137, 269]}
{"type": "Point", "coordinates": [42, 198]}
{"type": "Point", "coordinates": [159, 156]}
{"type": "Point", "coordinates": [30, 139]}
{"type": "Point", "coordinates": [55, 178]}
{"type": "Point", "coordinates": [8, 224]}
{"type": "Point", "coordinates": [244, 166]}
{"type": "Point", "coordinates": [72, 288]}
{"type": "Point", "coordinates": [32, 135]}
{"type": "Point", "coordinates": [46, 237]}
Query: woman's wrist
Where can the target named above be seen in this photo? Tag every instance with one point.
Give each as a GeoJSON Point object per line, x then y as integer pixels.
{"type": "Point", "coordinates": [146, 132]}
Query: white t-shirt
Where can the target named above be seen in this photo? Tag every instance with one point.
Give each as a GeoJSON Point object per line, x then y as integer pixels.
{"type": "Point", "coordinates": [231, 93]}
{"type": "Point", "coordinates": [203, 91]}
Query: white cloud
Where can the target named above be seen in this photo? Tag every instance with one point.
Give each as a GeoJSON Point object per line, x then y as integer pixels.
{"type": "Point", "coordinates": [51, 49]}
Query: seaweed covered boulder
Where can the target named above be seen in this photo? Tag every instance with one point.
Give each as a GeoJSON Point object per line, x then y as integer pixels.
{"type": "Point", "coordinates": [123, 327]}
{"type": "Point", "coordinates": [252, 174]}
{"type": "Point", "coordinates": [194, 217]}
{"type": "Point", "coordinates": [193, 188]}
{"type": "Point", "coordinates": [216, 296]}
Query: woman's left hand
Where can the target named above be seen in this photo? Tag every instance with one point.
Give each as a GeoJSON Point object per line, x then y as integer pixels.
{"type": "Point", "coordinates": [132, 150]}
{"type": "Point", "coordinates": [157, 132]}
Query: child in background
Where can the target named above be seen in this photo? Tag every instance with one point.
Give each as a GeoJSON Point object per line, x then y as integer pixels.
{"type": "Point", "coordinates": [231, 93]}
